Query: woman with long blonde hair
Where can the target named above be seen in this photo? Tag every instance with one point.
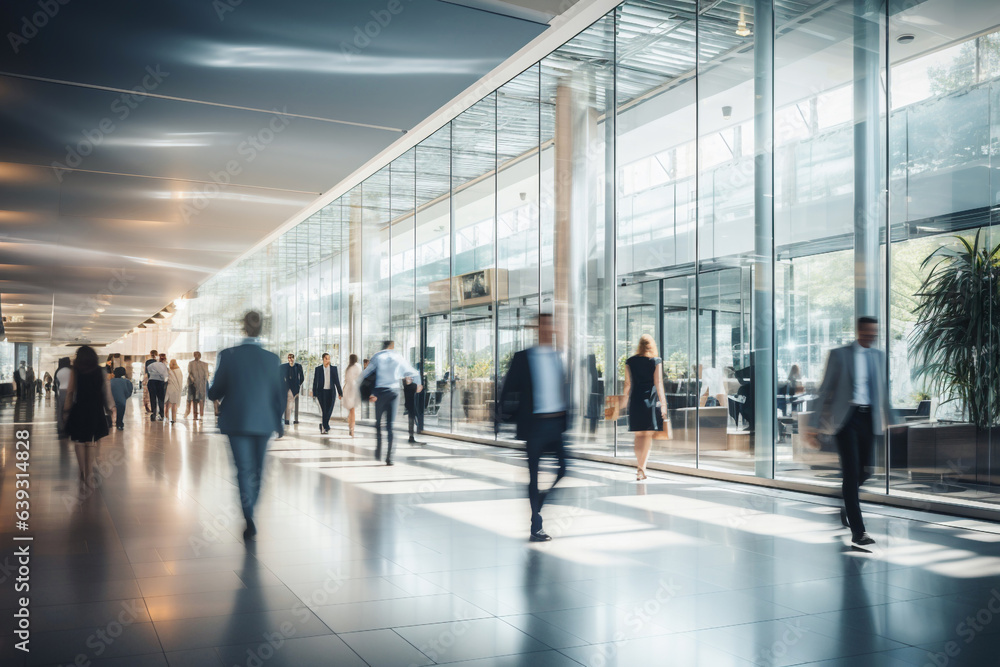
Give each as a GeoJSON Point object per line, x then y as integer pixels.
{"type": "Point", "coordinates": [647, 406]}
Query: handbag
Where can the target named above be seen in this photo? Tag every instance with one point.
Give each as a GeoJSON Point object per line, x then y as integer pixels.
{"type": "Point", "coordinates": [367, 386]}
{"type": "Point", "coordinates": [652, 402]}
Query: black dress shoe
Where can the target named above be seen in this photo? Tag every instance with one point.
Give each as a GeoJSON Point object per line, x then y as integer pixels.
{"type": "Point", "coordinates": [540, 536]}
{"type": "Point", "coordinates": [843, 518]}
{"type": "Point", "coordinates": [864, 541]}
{"type": "Point", "coordinates": [389, 462]}
{"type": "Point", "coordinates": [286, 422]}
{"type": "Point", "coordinates": [294, 422]}
{"type": "Point", "coordinates": [321, 428]}
{"type": "Point", "coordinates": [251, 530]}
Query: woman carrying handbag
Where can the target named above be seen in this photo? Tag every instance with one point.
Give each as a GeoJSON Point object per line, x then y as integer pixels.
{"type": "Point", "coordinates": [647, 406]}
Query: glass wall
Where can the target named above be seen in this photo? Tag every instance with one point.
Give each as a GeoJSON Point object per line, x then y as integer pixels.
{"type": "Point", "coordinates": [740, 180]}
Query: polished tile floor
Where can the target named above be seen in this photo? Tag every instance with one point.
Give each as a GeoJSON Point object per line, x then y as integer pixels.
{"type": "Point", "coordinates": [427, 562]}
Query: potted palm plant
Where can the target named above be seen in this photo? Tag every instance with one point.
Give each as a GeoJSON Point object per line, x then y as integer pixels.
{"type": "Point", "coordinates": [956, 341]}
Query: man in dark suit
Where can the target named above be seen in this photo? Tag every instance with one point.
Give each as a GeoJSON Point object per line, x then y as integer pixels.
{"type": "Point", "coordinates": [325, 380]}
{"type": "Point", "coordinates": [19, 375]}
{"type": "Point", "coordinates": [535, 396]}
{"type": "Point", "coordinates": [853, 406]}
{"type": "Point", "coordinates": [292, 377]}
{"type": "Point", "coordinates": [251, 391]}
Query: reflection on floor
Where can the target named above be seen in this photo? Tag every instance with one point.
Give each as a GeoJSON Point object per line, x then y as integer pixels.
{"type": "Point", "coordinates": [427, 562]}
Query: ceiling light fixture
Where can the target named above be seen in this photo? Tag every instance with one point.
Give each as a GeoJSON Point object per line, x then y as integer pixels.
{"type": "Point", "coordinates": [741, 26]}
{"type": "Point", "coordinates": [100, 310]}
{"type": "Point", "coordinates": [727, 112]}
{"type": "Point", "coordinates": [906, 39]}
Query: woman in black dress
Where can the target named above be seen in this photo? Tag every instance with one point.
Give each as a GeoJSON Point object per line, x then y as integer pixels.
{"type": "Point", "coordinates": [647, 407]}
{"type": "Point", "coordinates": [88, 399]}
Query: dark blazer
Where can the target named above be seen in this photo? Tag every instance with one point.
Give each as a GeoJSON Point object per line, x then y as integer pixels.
{"type": "Point", "coordinates": [252, 394]}
{"type": "Point", "coordinates": [293, 377]}
{"type": "Point", "coordinates": [517, 398]}
{"type": "Point", "coordinates": [334, 380]}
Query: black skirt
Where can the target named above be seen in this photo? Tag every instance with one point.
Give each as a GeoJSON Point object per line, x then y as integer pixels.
{"type": "Point", "coordinates": [643, 402]}
{"type": "Point", "coordinates": [87, 420]}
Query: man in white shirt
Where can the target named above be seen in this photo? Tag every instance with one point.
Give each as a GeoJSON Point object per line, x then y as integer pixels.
{"type": "Point", "coordinates": [389, 368]}
{"type": "Point", "coordinates": [853, 405]}
{"type": "Point", "coordinates": [325, 380]}
{"type": "Point", "coordinates": [157, 372]}
{"type": "Point", "coordinates": [535, 395]}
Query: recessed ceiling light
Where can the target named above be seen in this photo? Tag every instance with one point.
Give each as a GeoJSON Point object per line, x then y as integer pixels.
{"type": "Point", "coordinates": [100, 310]}
{"type": "Point", "coordinates": [906, 39]}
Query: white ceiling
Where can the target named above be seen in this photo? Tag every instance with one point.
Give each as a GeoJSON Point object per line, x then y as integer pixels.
{"type": "Point", "coordinates": [134, 220]}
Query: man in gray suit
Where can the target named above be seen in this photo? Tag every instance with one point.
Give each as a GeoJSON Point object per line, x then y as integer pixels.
{"type": "Point", "coordinates": [253, 403]}
{"type": "Point", "coordinates": [853, 406]}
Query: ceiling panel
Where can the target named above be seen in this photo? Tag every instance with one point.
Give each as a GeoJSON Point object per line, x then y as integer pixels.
{"type": "Point", "coordinates": [349, 59]}
{"type": "Point", "coordinates": [88, 253]}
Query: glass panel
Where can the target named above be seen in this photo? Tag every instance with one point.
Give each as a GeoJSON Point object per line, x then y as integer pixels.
{"type": "Point", "coordinates": [474, 278]}
{"type": "Point", "coordinates": [729, 245]}
{"type": "Point", "coordinates": [517, 217]}
{"type": "Point", "coordinates": [578, 87]}
{"type": "Point", "coordinates": [375, 262]}
{"type": "Point", "coordinates": [830, 210]}
{"type": "Point", "coordinates": [403, 311]}
{"type": "Point", "coordinates": [433, 273]}
{"type": "Point", "coordinates": [944, 348]}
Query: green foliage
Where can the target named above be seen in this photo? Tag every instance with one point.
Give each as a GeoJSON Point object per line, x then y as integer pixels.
{"type": "Point", "coordinates": [955, 344]}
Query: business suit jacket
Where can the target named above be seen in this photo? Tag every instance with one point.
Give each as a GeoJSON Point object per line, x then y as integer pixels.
{"type": "Point", "coordinates": [334, 380]}
{"type": "Point", "coordinates": [517, 398]}
{"type": "Point", "coordinates": [252, 394]}
{"type": "Point", "coordinates": [293, 377]}
{"type": "Point", "coordinates": [833, 406]}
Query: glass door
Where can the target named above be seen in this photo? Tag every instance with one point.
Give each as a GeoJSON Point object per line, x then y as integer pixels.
{"type": "Point", "coordinates": [677, 348]}
{"type": "Point", "coordinates": [435, 345]}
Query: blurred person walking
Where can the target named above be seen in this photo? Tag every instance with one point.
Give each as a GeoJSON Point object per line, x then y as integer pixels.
{"type": "Point", "coordinates": [121, 389]}
{"type": "Point", "coordinates": [413, 405]}
{"type": "Point", "coordinates": [19, 376]}
{"type": "Point", "coordinates": [389, 368]}
{"type": "Point", "coordinates": [158, 374]}
{"type": "Point", "coordinates": [535, 395]}
{"type": "Point", "coordinates": [175, 389]}
{"type": "Point", "coordinates": [29, 383]}
{"type": "Point", "coordinates": [250, 390]}
{"type": "Point", "coordinates": [325, 380]}
{"type": "Point", "coordinates": [48, 383]}
{"type": "Point", "coordinates": [61, 385]}
{"type": "Point", "coordinates": [198, 381]}
{"type": "Point", "coordinates": [144, 381]}
{"type": "Point", "coordinates": [292, 378]}
{"type": "Point", "coordinates": [647, 406]}
{"type": "Point", "coordinates": [352, 390]}
{"type": "Point", "coordinates": [88, 400]}
{"type": "Point", "coordinates": [853, 406]}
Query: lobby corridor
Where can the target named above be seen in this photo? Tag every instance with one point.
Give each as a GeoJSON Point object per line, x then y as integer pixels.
{"type": "Point", "coordinates": [428, 562]}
